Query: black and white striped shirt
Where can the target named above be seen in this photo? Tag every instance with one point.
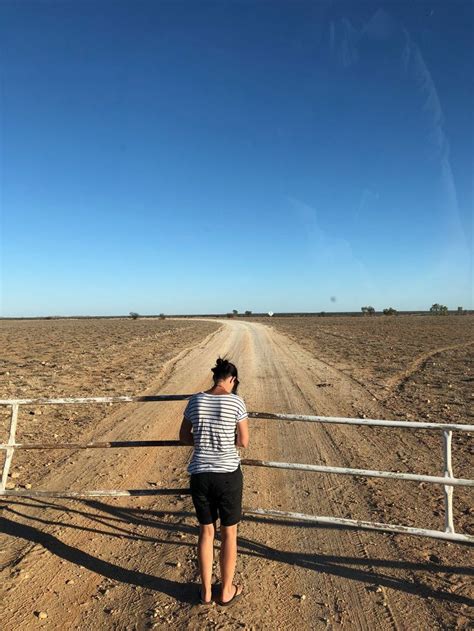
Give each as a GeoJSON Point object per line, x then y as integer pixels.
{"type": "Point", "coordinates": [214, 418]}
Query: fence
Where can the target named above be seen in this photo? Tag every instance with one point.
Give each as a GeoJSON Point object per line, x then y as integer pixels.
{"type": "Point", "coordinates": [448, 481]}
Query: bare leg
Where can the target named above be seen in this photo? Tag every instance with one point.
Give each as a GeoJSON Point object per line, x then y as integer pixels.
{"type": "Point", "coordinates": [205, 558]}
{"type": "Point", "coordinates": [228, 558]}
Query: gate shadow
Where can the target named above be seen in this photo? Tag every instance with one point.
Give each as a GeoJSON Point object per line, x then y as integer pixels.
{"type": "Point", "coordinates": [371, 571]}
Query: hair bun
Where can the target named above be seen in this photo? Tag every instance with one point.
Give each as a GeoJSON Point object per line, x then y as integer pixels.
{"type": "Point", "coordinates": [223, 370]}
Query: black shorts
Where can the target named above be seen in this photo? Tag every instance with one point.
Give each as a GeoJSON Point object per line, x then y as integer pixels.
{"type": "Point", "coordinates": [218, 495]}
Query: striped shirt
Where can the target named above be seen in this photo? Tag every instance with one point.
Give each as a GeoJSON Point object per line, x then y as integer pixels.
{"type": "Point", "coordinates": [214, 418]}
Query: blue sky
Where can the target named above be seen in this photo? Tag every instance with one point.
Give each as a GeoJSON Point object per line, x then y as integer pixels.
{"type": "Point", "coordinates": [194, 157]}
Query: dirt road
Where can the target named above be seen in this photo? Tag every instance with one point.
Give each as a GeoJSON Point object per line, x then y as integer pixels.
{"type": "Point", "coordinates": [130, 563]}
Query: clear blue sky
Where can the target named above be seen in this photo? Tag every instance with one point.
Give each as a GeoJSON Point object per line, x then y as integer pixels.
{"type": "Point", "coordinates": [190, 157]}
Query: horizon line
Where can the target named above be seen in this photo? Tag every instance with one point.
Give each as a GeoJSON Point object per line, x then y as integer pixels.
{"type": "Point", "coordinates": [230, 315]}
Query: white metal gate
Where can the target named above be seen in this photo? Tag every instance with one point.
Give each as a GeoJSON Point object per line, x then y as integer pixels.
{"type": "Point", "coordinates": [447, 480]}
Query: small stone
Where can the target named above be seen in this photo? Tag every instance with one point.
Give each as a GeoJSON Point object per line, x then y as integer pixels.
{"type": "Point", "coordinates": [14, 475]}
{"type": "Point", "coordinates": [178, 564]}
{"type": "Point", "coordinates": [42, 615]}
{"type": "Point", "coordinates": [70, 581]}
{"type": "Point", "coordinates": [303, 597]}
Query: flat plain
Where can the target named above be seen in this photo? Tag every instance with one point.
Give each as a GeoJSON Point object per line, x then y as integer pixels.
{"type": "Point", "coordinates": [81, 358]}
{"type": "Point", "coordinates": [130, 563]}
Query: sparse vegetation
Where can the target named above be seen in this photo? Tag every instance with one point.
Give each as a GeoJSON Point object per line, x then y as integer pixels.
{"type": "Point", "coordinates": [438, 309]}
{"type": "Point", "coordinates": [162, 316]}
{"type": "Point", "coordinates": [367, 310]}
{"type": "Point", "coordinates": [134, 315]}
{"type": "Point", "coordinates": [248, 313]}
{"type": "Point", "coordinates": [390, 311]}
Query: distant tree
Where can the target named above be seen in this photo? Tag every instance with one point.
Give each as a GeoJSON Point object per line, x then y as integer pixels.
{"type": "Point", "coordinates": [438, 309]}
{"type": "Point", "coordinates": [230, 315]}
{"type": "Point", "coordinates": [134, 315]}
{"type": "Point", "coordinates": [248, 313]}
{"type": "Point", "coordinates": [390, 311]}
{"type": "Point", "coordinates": [322, 314]}
{"type": "Point", "coordinates": [367, 310]}
{"type": "Point", "coordinates": [162, 316]}
{"type": "Point", "coordinates": [235, 312]}
{"type": "Point", "coordinates": [460, 311]}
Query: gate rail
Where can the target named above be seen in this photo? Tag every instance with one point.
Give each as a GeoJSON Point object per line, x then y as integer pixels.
{"type": "Point", "coordinates": [447, 480]}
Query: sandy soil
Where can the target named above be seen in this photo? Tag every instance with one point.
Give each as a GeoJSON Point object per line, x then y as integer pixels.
{"type": "Point", "coordinates": [80, 358]}
{"type": "Point", "coordinates": [131, 563]}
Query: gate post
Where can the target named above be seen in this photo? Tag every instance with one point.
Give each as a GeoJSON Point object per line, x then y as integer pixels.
{"type": "Point", "coordinates": [9, 450]}
{"type": "Point", "coordinates": [448, 490]}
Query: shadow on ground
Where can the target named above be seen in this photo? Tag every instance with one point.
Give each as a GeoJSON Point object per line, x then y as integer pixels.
{"type": "Point", "coordinates": [120, 522]}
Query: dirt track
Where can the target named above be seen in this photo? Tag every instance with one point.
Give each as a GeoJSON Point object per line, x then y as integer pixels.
{"type": "Point", "coordinates": [113, 563]}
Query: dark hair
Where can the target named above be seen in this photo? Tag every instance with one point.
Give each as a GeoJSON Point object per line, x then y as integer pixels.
{"type": "Point", "coordinates": [223, 369]}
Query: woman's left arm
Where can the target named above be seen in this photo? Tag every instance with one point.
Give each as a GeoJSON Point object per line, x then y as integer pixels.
{"type": "Point", "coordinates": [185, 432]}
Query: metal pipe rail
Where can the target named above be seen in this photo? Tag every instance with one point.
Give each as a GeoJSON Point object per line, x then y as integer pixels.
{"type": "Point", "coordinates": [448, 480]}
{"type": "Point", "coordinates": [256, 415]}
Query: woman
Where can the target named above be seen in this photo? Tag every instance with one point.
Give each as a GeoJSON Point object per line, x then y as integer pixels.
{"type": "Point", "coordinates": [215, 423]}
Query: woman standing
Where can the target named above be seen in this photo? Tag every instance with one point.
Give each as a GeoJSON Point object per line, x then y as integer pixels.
{"type": "Point", "coordinates": [215, 423]}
